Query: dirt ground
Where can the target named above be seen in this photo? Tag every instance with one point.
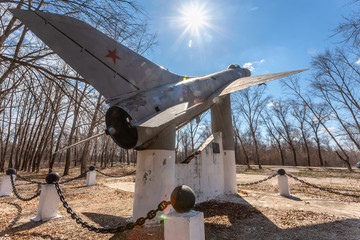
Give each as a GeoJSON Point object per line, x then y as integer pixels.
{"type": "Point", "coordinates": [257, 212]}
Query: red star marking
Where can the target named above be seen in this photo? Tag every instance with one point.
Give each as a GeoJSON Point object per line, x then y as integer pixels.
{"type": "Point", "coordinates": [112, 55]}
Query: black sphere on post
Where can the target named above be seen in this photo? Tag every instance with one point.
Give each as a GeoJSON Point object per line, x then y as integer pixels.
{"type": "Point", "coordinates": [281, 172]}
{"type": "Point", "coordinates": [11, 171]}
{"type": "Point", "coordinates": [92, 168]}
{"type": "Point", "coordinates": [182, 199]}
{"type": "Point", "coordinates": [52, 177]}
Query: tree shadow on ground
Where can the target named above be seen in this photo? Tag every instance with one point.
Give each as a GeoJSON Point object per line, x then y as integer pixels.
{"type": "Point", "coordinates": [231, 220]}
{"type": "Point", "coordinates": [15, 220]}
{"type": "Point", "coordinates": [105, 220]}
{"type": "Point", "coordinates": [9, 231]}
{"type": "Point", "coordinates": [149, 233]}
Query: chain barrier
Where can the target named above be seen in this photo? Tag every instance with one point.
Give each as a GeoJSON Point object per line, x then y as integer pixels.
{"type": "Point", "coordinates": [323, 188]}
{"type": "Point", "coordinates": [38, 191]}
{"type": "Point", "coordinates": [62, 182]}
{"type": "Point", "coordinates": [124, 175]}
{"type": "Point", "coordinates": [72, 179]}
{"type": "Point", "coordinates": [28, 180]}
{"type": "Point", "coordinates": [140, 221]}
{"type": "Point", "coordinates": [257, 182]}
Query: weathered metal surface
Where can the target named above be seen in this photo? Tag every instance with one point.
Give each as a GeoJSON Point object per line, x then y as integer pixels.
{"type": "Point", "coordinates": [11, 171]}
{"type": "Point", "coordinates": [144, 98]}
{"type": "Point", "coordinates": [52, 177]}
{"type": "Point", "coordinates": [182, 199]}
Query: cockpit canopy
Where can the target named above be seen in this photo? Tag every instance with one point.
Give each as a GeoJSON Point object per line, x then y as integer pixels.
{"type": "Point", "coordinates": [232, 66]}
{"type": "Point", "coordinates": [243, 71]}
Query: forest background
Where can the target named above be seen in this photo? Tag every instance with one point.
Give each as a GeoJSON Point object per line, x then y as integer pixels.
{"type": "Point", "coordinates": [46, 106]}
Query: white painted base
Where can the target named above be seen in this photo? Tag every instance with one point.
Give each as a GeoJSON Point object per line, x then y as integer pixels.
{"type": "Point", "coordinates": [48, 204]}
{"type": "Point", "coordinates": [283, 186]}
{"type": "Point", "coordinates": [90, 178]}
{"type": "Point", "coordinates": [184, 226]}
{"type": "Point", "coordinates": [5, 187]}
{"type": "Point", "coordinates": [205, 172]}
{"type": "Point", "coordinates": [230, 186]}
{"type": "Point", "coordinates": [155, 180]}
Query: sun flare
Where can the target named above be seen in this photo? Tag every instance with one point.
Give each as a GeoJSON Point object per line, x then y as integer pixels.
{"type": "Point", "coordinates": [194, 17]}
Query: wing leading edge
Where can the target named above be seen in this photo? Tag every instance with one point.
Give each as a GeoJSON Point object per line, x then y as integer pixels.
{"type": "Point", "coordinates": [178, 111]}
{"type": "Point", "coordinates": [246, 82]}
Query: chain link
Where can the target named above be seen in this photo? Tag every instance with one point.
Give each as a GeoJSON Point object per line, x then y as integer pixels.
{"type": "Point", "coordinates": [140, 221]}
{"type": "Point", "coordinates": [257, 182]}
{"type": "Point", "coordinates": [38, 191]}
{"type": "Point", "coordinates": [28, 180]}
{"type": "Point", "coordinates": [112, 176]}
{"type": "Point", "coordinates": [323, 188]}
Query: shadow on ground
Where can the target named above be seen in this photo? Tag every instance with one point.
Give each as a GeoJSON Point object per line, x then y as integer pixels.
{"type": "Point", "coordinates": [230, 220]}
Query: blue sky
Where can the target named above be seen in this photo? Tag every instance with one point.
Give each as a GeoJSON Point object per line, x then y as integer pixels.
{"type": "Point", "coordinates": [273, 35]}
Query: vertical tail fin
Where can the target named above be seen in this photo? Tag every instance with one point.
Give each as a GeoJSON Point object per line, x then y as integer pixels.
{"type": "Point", "coordinates": [113, 69]}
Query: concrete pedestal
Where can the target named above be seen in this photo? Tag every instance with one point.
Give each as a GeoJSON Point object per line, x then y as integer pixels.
{"type": "Point", "coordinates": [5, 187]}
{"type": "Point", "coordinates": [155, 180]}
{"type": "Point", "coordinates": [48, 204]}
{"type": "Point", "coordinates": [221, 122]}
{"type": "Point", "coordinates": [184, 226]}
{"type": "Point", "coordinates": [155, 175]}
{"type": "Point", "coordinates": [230, 186]}
{"type": "Point", "coordinates": [90, 178]}
{"type": "Point", "coordinates": [283, 186]}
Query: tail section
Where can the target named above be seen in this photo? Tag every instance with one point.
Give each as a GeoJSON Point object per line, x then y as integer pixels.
{"type": "Point", "coordinates": [111, 68]}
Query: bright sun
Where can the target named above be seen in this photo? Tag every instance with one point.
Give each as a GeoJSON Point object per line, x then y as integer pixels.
{"type": "Point", "coordinates": [194, 17]}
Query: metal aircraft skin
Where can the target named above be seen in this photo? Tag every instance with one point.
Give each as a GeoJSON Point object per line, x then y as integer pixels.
{"type": "Point", "coordinates": [144, 98]}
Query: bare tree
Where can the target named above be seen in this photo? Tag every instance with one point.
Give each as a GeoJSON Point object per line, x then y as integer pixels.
{"type": "Point", "coordinates": [273, 133]}
{"type": "Point", "coordinates": [350, 27]}
{"type": "Point", "coordinates": [250, 103]}
{"type": "Point", "coordinates": [239, 135]}
{"type": "Point", "coordinates": [284, 127]}
{"type": "Point", "coordinates": [315, 124]}
{"type": "Point", "coordinates": [300, 113]}
{"type": "Point", "coordinates": [292, 83]}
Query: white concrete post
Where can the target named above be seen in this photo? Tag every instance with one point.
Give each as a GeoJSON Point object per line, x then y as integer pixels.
{"type": "Point", "coordinates": [284, 186]}
{"type": "Point", "coordinates": [155, 175]}
{"type": "Point", "coordinates": [221, 122]}
{"type": "Point", "coordinates": [6, 188]}
{"type": "Point", "coordinates": [90, 178]}
{"type": "Point", "coordinates": [48, 204]}
{"type": "Point", "coordinates": [184, 226]}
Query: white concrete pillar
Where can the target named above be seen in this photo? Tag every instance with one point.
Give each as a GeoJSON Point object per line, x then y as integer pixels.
{"type": "Point", "coordinates": [90, 178]}
{"type": "Point", "coordinates": [284, 186]}
{"type": "Point", "coordinates": [155, 175]}
{"type": "Point", "coordinates": [230, 186]}
{"type": "Point", "coordinates": [6, 187]}
{"type": "Point", "coordinates": [221, 122]}
{"type": "Point", "coordinates": [184, 226]}
{"type": "Point", "coordinates": [48, 204]}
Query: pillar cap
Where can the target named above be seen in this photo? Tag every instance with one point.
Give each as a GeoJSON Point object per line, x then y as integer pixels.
{"type": "Point", "coordinates": [52, 177]}
{"type": "Point", "coordinates": [281, 171]}
{"type": "Point", "coordinates": [182, 199]}
{"type": "Point", "coordinates": [11, 171]}
{"type": "Point", "coordinates": [92, 168]}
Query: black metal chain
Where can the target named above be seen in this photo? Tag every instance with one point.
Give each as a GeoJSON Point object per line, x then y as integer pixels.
{"type": "Point", "coordinates": [124, 175]}
{"type": "Point", "coordinates": [28, 180]}
{"type": "Point", "coordinates": [72, 179]}
{"type": "Point", "coordinates": [323, 188]}
{"type": "Point", "coordinates": [38, 191]}
{"type": "Point", "coordinates": [257, 182]}
{"type": "Point", "coordinates": [140, 221]}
